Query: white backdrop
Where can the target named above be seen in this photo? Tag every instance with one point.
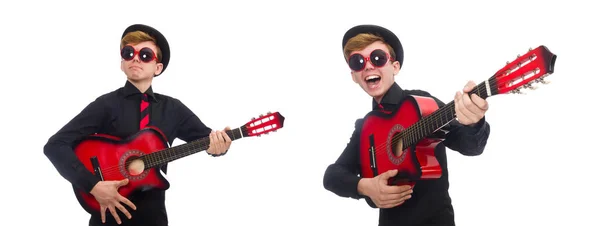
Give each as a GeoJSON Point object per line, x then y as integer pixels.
{"type": "Point", "coordinates": [234, 60]}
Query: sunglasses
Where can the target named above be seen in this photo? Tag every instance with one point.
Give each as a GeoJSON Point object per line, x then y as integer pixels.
{"type": "Point", "coordinates": [145, 54]}
{"type": "Point", "coordinates": [378, 58]}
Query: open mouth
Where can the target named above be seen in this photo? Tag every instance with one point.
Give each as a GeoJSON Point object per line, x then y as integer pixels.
{"type": "Point", "coordinates": [372, 79]}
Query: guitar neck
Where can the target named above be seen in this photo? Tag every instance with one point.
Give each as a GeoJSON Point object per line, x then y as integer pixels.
{"type": "Point", "coordinates": [441, 117]}
{"type": "Point", "coordinates": [171, 154]}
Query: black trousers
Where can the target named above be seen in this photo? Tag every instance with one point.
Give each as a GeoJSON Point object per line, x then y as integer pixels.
{"type": "Point", "coordinates": [150, 211]}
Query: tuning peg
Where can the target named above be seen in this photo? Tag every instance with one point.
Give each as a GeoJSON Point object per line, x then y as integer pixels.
{"type": "Point", "coordinates": [507, 62]}
{"type": "Point", "coordinates": [519, 55]}
{"type": "Point", "coordinates": [261, 115]}
{"type": "Point", "coordinates": [544, 81]}
{"type": "Point", "coordinates": [541, 80]}
{"type": "Point", "coordinates": [517, 91]}
{"type": "Point", "coordinates": [253, 118]}
{"type": "Point", "coordinates": [268, 112]}
{"type": "Point", "coordinates": [530, 86]}
{"type": "Point", "coordinates": [530, 49]}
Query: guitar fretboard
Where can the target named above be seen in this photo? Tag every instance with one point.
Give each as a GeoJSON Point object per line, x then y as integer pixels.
{"type": "Point", "coordinates": [171, 154]}
{"type": "Point", "coordinates": [442, 116]}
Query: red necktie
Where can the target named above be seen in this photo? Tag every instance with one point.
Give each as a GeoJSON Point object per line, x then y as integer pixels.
{"type": "Point", "coordinates": [145, 116]}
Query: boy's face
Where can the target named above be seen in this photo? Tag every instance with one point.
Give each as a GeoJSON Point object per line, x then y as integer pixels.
{"type": "Point", "coordinates": [139, 61]}
{"type": "Point", "coordinates": [378, 71]}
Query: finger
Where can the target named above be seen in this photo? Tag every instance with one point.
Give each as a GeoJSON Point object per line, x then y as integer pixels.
{"type": "Point", "coordinates": [226, 141]}
{"type": "Point", "coordinates": [480, 102]}
{"type": "Point", "coordinates": [466, 100]}
{"type": "Point", "coordinates": [122, 209]}
{"type": "Point", "coordinates": [103, 214]}
{"type": "Point", "coordinates": [211, 145]}
{"type": "Point", "coordinates": [391, 203]}
{"type": "Point", "coordinates": [399, 194]}
{"type": "Point", "coordinates": [382, 179]}
{"type": "Point", "coordinates": [471, 111]}
{"type": "Point", "coordinates": [458, 108]}
{"type": "Point", "coordinates": [227, 128]}
{"type": "Point", "coordinates": [227, 138]}
{"type": "Point", "coordinates": [220, 141]}
{"type": "Point", "coordinates": [122, 182]}
{"type": "Point", "coordinates": [127, 202]}
{"type": "Point", "coordinates": [396, 190]}
{"type": "Point", "coordinates": [394, 204]}
{"type": "Point", "coordinates": [115, 215]}
{"type": "Point", "coordinates": [394, 199]}
{"type": "Point", "coordinates": [469, 86]}
{"type": "Point", "coordinates": [464, 115]}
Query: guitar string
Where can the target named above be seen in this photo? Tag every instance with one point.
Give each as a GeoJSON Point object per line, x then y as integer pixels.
{"type": "Point", "coordinates": [180, 151]}
{"type": "Point", "coordinates": [416, 129]}
{"type": "Point", "coordinates": [152, 158]}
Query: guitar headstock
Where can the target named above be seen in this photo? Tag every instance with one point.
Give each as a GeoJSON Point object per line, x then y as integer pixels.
{"type": "Point", "coordinates": [524, 71]}
{"type": "Point", "coordinates": [264, 124]}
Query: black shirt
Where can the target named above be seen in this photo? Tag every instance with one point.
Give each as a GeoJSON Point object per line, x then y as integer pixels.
{"type": "Point", "coordinates": [117, 113]}
{"type": "Point", "coordinates": [430, 203]}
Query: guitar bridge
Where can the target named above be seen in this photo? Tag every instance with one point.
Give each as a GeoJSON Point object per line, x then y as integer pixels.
{"type": "Point", "coordinates": [372, 154]}
{"type": "Point", "coordinates": [96, 167]}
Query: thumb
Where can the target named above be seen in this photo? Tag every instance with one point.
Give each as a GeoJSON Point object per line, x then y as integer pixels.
{"type": "Point", "coordinates": [390, 173]}
{"type": "Point", "coordinates": [122, 182]}
{"type": "Point", "coordinates": [227, 128]}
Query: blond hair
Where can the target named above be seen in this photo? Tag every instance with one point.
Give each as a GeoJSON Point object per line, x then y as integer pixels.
{"type": "Point", "coordinates": [361, 41]}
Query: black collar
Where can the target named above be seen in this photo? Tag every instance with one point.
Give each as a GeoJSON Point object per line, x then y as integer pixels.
{"type": "Point", "coordinates": [129, 89]}
{"type": "Point", "coordinates": [391, 98]}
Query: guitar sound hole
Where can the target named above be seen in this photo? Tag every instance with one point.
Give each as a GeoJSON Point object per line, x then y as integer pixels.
{"type": "Point", "coordinates": [397, 145]}
{"type": "Point", "coordinates": [135, 166]}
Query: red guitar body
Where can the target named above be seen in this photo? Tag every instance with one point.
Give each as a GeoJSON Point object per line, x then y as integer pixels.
{"type": "Point", "coordinates": [111, 155]}
{"type": "Point", "coordinates": [109, 158]}
{"type": "Point", "coordinates": [377, 154]}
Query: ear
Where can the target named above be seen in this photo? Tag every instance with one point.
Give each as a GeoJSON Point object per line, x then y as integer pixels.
{"type": "Point", "coordinates": [397, 66]}
{"type": "Point", "coordinates": [122, 65]}
{"type": "Point", "coordinates": [353, 77]}
{"type": "Point", "coordinates": [159, 68]}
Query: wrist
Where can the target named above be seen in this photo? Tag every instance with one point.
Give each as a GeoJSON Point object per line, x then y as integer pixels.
{"type": "Point", "coordinates": [363, 186]}
{"type": "Point", "coordinates": [93, 190]}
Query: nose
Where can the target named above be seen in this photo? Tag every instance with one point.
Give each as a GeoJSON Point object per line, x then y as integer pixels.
{"type": "Point", "coordinates": [369, 65]}
{"type": "Point", "coordinates": [136, 58]}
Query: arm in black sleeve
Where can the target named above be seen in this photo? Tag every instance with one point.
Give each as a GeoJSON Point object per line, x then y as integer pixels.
{"type": "Point", "coordinates": [190, 127]}
{"type": "Point", "coordinates": [59, 148]}
{"type": "Point", "coordinates": [342, 176]}
{"type": "Point", "coordinates": [467, 140]}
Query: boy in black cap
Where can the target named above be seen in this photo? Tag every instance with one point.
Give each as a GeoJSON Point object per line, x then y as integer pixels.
{"type": "Point", "coordinates": [375, 55]}
{"type": "Point", "coordinates": [145, 54]}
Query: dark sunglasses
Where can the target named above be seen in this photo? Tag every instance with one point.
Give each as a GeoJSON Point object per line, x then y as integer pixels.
{"type": "Point", "coordinates": [378, 58]}
{"type": "Point", "coordinates": [145, 54]}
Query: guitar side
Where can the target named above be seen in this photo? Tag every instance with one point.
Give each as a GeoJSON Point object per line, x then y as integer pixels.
{"type": "Point", "coordinates": [380, 134]}
{"type": "Point", "coordinates": [107, 158]}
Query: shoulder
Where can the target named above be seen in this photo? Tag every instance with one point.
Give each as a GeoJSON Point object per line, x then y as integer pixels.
{"type": "Point", "coordinates": [171, 102]}
{"type": "Point", "coordinates": [418, 92]}
{"type": "Point", "coordinates": [168, 99]}
{"type": "Point", "coordinates": [109, 96]}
